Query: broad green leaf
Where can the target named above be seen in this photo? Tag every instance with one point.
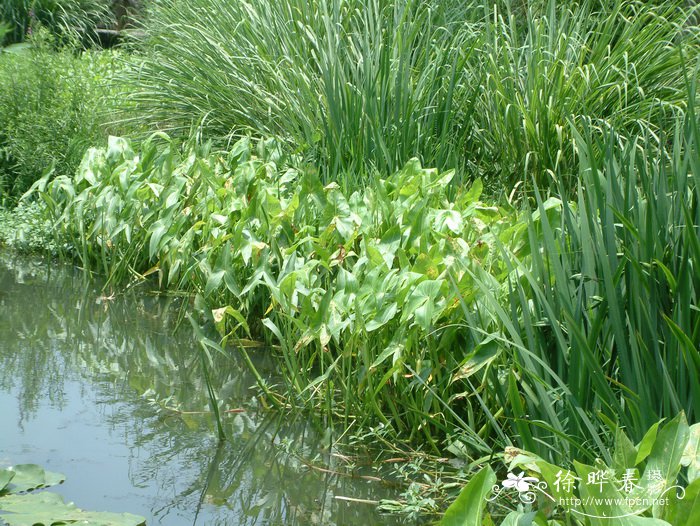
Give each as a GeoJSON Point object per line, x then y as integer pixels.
{"type": "Point", "coordinates": [213, 282]}
{"type": "Point", "coordinates": [663, 463]}
{"type": "Point", "coordinates": [685, 511]}
{"type": "Point", "coordinates": [604, 504]}
{"type": "Point", "coordinates": [448, 220]}
{"type": "Point", "coordinates": [6, 476]}
{"type": "Point", "coordinates": [561, 483]}
{"type": "Point", "coordinates": [157, 232]}
{"type": "Point", "coordinates": [474, 192]}
{"type": "Point", "coordinates": [647, 443]}
{"type": "Point", "coordinates": [691, 455]}
{"type": "Point", "coordinates": [624, 454]}
{"type": "Point", "coordinates": [421, 303]}
{"type": "Point", "coordinates": [385, 314]}
{"type": "Point", "coordinates": [468, 509]}
{"type": "Point", "coordinates": [48, 508]}
{"type": "Point", "coordinates": [389, 244]}
{"type": "Point", "coordinates": [32, 476]}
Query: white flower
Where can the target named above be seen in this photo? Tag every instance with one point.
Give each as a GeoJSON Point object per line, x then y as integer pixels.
{"type": "Point", "coordinates": [519, 482]}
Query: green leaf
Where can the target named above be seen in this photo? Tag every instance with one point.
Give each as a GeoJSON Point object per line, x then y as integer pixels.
{"type": "Point", "coordinates": [449, 220]}
{"type": "Point", "coordinates": [421, 303]}
{"type": "Point", "coordinates": [645, 446]}
{"type": "Point", "coordinates": [394, 349]}
{"type": "Point", "coordinates": [484, 353]}
{"type": "Point", "coordinates": [214, 281]}
{"type": "Point", "coordinates": [384, 315]}
{"type": "Point", "coordinates": [157, 232]}
{"type": "Point", "coordinates": [474, 191]}
{"type": "Point", "coordinates": [604, 505]}
{"type": "Point", "coordinates": [625, 454]}
{"type": "Point", "coordinates": [118, 149]}
{"type": "Point", "coordinates": [664, 461]}
{"type": "Point", "coordinates": [691, 454]}
{"type": "Point", "coordinates": [6, 476]}
{"type": "Point", "coordinates": [48, 508]}
{"type": "Point", "coordinates": [686, 510]}
{"type": "Point", "coordinates": [389, 244]}
{"type": "Point", "coordinates": [468, 509]}
{"type": "Point", "coordinates": [31, 476]}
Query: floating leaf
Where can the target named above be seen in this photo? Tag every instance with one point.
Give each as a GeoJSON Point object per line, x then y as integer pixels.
{"type": "Point", "coordinates": [49, 509]}
{"type": "Point", "coordinates": [31, 476]}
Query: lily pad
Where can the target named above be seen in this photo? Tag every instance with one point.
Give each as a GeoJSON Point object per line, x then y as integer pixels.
{"type": "Point", "coordinates": [31, 476]}
{"type": "Point", "coordinates": [48, 509]}
{"type": "Point", "coordinates": [44, 508]}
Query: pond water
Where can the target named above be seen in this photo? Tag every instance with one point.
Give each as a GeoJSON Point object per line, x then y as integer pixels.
{"type": "Point", "coordinates": [107, 392]}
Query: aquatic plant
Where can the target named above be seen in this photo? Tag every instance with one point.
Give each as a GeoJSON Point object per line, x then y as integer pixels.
{"type": "Point", "coordinates": [356, 291]}
{"type": "Point", "coordinates": [653, 483]}
{"type": "Point", "coordinates": [603, 327]}
{"type": "Point", "coordinates": [361, 86]}
{"type": "Point", "coordinates": [441, 320]}
{"type": "Point", "coordinates": [22, 505]}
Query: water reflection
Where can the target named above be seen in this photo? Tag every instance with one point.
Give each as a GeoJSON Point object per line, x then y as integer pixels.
{"type": "Point", "coordinates": [73, 364]}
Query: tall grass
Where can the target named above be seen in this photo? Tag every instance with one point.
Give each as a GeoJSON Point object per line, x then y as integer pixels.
{"type": "Point", "coordinates": [364, 85]}
{"type": "Point", "coordinates": [609, 64]}
{"type": "Point", "coordinates": [603, 322]}
{"type": "Point", "coordinates": [64, 18]}
{"type": "Point", "coordinates": [359, 84]}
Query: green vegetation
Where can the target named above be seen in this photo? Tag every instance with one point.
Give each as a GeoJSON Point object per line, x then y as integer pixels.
{"type": "Point", "coordinates": [66, 19]}
{"type": "Point", "coordinates": [25, 229]}
{"type": "Point", "coordinates": [364, 85]}
{"type": "Point", "coordinates": [634, 473]}
{"type": "Point", "coordinates": [354, 288]}
{"type": "Point", "coordinates": [535, 287]}
{"type": "Point", "coordinates": [21, 505]}
{"type": "Point", "coordinates": [359, 84]}
{"type": "Point", "coordinates": [51, 103]}
{"type": "Point", "coordinates": [397, 305]}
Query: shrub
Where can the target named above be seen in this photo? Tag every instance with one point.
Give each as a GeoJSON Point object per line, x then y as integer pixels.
{"type": "Point", "coordinates": [49, 110]}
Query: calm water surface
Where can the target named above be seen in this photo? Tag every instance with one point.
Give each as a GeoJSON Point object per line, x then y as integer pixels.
{"type": "Point", "coordinates": [104, 390]}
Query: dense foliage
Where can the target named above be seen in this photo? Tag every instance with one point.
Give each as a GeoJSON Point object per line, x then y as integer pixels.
{"type": "Point", "coordinates": [396, 298]}
{"type": "Point", "coordinates": [398, 305]}
{"type": "Point", "coordinates": [356, 289]}
{"type": "Point", "coordinates": [51, 104]}
{"type": "Point", "coordinates": [360, 85]}
{"type": "Point", "coordinates": [66, 19]}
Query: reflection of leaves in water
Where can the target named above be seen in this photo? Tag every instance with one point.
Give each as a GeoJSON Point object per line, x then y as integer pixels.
{"type": "Point", "coordinates": [128, 341]}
